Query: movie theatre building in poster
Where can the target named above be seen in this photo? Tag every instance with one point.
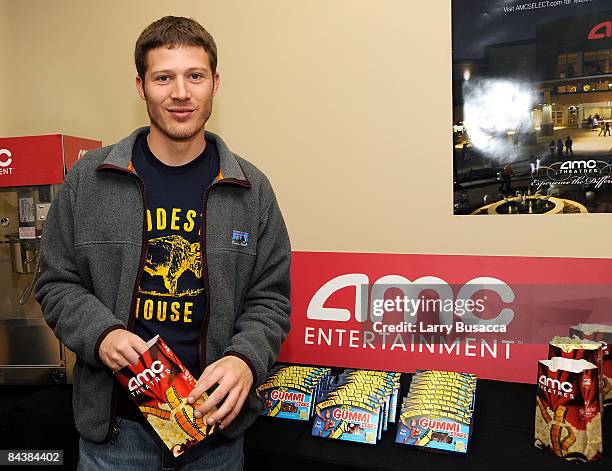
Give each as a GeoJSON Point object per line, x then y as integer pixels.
{"type": "Point", "coordinates": [569, 62]}
{"type": "Point", "coordinates": [574, 67]}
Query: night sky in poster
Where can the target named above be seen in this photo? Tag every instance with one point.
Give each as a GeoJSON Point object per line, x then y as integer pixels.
{"type": "Point", "coordinates": [478, 23]}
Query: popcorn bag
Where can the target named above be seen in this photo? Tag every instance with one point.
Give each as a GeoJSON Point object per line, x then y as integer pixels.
{"type": "Point", "coordinates": [160, 385]}
{"type": "Point", "coordinates": [568, 411]}
{"type": "Point", "coordinates": [599, 333]}
{"type": "Point", "coordinates": [580, 349]}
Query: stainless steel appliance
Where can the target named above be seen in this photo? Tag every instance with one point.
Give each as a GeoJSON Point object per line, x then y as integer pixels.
{"type": "Point", "coordinates": [31, 170]}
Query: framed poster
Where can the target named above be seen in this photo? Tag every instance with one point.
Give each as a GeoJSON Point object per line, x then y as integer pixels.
{"type": "Point", "coordinates": [532, 107]}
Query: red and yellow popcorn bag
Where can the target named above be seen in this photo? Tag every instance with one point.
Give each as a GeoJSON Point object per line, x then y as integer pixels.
{"type": "Point", "coordinates": [568, 409]}
{"type": "Point", "coordinates": [599, 333]}
{"type": "Point", "coordinates": [579, 349]}
{"type": "Point", "coordinates": [160, 385]}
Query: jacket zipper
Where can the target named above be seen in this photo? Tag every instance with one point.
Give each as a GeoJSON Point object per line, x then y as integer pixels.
{"type": "Point", "coordinates": [112, 430]}
{"type": "Point", "coordinates": [204, 259]}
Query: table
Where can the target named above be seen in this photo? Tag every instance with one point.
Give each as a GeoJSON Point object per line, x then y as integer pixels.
{"type": "Point", "coordinates": [41, 417]}
{"type": "Point", "coordinates": [502, 437]}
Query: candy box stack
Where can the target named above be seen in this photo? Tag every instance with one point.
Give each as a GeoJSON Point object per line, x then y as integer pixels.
{"type": "Point", "coordinates": [358, 406]}
{"type": "Point", "coordinates": [437, 413]}
{"type": "Point", "coordinates": [291, 392]}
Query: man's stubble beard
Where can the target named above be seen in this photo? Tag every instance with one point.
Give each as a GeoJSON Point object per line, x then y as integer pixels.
{"type": "Point", "coordinates": [176, 134]}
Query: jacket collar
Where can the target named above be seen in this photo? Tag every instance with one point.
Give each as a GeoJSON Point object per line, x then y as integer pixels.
{"type": "Point", "coordinates": [230, 171]}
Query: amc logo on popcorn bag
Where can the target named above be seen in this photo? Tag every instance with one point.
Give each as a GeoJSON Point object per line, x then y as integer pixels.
{"type": "Point", "coordinates": [154, 374]}
{"type": "Point", "coordinates": [490, 316]}
{"type": "Point", "coordinates": [554, 386]}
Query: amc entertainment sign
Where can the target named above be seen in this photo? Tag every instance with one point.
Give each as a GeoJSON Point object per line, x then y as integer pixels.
{"type": "Point", "coordinates": [491, 316]}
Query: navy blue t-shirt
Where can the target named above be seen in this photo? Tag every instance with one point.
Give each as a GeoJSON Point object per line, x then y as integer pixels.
{"type": "Point", "coordinates": [171, 298]}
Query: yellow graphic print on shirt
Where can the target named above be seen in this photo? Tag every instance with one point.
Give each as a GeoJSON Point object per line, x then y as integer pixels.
{"type": "Point", "coordinates": [171, 289]}
{"type": "Point", "coordinates": [170, 257]}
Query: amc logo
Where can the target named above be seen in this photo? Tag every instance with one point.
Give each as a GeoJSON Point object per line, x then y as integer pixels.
{"type": "Point", "coordinates": [601, 31]}
{"type": "Point", "coordinates": [148, 375]}
{"type": "Point", "coordinates": [555, 384]}
{"type": "Point", "coordinates": [578, 165]}
{"type": "Point", "coordinates": [5, 158]}
{"type": "Point", "coordinates": [367, 296]}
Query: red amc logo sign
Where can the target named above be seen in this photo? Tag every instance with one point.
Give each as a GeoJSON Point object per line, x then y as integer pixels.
{"type": "Point", "coordinates": [39, 160]}
{"type": "Point", "coordinates": [31, 160]}
{"type": "Point", "coordinates": [490, 316]}
{"type": "Point", "coordinates": [601, 31]}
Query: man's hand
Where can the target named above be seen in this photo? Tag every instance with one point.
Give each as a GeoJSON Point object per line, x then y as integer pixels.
{"type": "Point", "coordinates": [234, 379]}
{"type": "Point", "coordinates": [120, 348]}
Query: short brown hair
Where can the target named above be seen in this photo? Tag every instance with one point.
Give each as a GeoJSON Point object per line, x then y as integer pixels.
{"type": "Point", "coordinates": [173, 31]}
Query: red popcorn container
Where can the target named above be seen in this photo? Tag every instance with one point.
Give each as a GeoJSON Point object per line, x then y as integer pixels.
{"type": "Point", "coordinates": [600, 333]}
{"type": "Point", "coordinates": [160, 385]}
{"type": "Point", "coordinates": [568, 411]}
{"type": "Point", "coordinates": [580, 348]}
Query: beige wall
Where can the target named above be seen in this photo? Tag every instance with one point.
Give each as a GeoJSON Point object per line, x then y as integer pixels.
{"type": "Point", "coordinates": [5, 47]}
{"type": "Point", "coordinates": [346, 105]}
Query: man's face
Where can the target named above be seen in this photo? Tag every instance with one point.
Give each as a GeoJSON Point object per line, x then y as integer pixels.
{"type": "Point", "coordinates": [178, 88]}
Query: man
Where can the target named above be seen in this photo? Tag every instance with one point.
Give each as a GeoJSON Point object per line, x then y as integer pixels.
{"type": "Point", "coordinates": [506, 185]}
{"type": "Point", "coordinates": [559, 148]}
{"type": "Point", "coordinates": [167, 232]}
{"type": "Point", "coordinates": [569, 146]}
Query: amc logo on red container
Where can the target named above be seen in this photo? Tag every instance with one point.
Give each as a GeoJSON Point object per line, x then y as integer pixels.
{"type": "Point", "coordinates": [6, 159]}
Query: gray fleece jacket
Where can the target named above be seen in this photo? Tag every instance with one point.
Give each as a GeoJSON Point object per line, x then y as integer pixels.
{"type": "Point", "coordinates": [93, 252]}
